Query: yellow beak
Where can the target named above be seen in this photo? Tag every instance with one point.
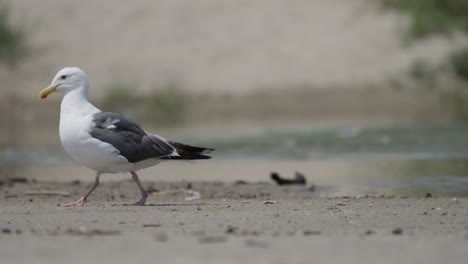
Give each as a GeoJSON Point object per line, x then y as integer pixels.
{"type": "Point", "coordinates": [44, 93]}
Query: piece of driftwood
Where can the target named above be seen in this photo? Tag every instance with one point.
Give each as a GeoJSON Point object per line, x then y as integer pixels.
{"type": "Point", "coordinates": [299, 179]}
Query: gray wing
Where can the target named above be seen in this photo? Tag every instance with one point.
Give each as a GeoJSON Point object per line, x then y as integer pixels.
{"type": "Point", "coordinates": [128, 137]}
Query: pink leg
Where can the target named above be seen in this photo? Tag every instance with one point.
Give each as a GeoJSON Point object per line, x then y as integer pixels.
{"type": "Point", "coordinates": [82, 200]}
{"type": "Point", "coordinates": [144, 194]}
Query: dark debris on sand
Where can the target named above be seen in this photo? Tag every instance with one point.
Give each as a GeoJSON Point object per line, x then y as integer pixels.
{"type": "Point", "coordinates": [299, 179]}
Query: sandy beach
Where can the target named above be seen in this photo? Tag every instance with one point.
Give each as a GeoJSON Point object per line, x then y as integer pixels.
{"type": "Point", "coordinates": [248, 222]}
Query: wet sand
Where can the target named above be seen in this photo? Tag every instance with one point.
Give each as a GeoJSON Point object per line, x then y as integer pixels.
{"type": "Point", "coordinates": [248, 222]}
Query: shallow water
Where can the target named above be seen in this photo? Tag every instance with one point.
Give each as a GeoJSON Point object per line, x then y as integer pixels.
{"type": "Point", "coordinates": [412, 160]}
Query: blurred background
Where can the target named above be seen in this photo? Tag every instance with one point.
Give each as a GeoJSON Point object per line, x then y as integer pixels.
{"type": "Point", "coordinates": [362, 96]}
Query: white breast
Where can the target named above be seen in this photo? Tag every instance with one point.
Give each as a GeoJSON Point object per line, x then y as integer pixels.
{"type": "Point", "coordinates": [88, 151]}
{"type": "Point", "coordinates": [75, 124]}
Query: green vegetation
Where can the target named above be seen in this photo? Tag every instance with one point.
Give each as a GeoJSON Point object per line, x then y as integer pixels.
{"type": "Point", "coordinates": [433, 16]}
{"type": "Point", "coordinates": [459, 62]}
{"type": "Point", "coordinates": [424, 72]}
{"type": "Point", "coordinates": [439, 17]}
{"type": "Point", "coordinates": [119, 94]}
{"type": "Point", "coordinates": [162, 106]}
{"type": "Point", "coordinates": [167, 105]}
{"type": "Point", "coordinates": [454, 101]}
{"type": "Point", "coordinates": [452, 94]}
{"type": "Point", "coordinates": [12, 40]}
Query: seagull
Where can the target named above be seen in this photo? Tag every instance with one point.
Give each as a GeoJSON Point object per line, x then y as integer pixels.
{"type": "Point", "coordinates": [108, 142]}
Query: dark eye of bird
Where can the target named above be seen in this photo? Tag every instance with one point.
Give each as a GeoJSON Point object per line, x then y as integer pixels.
{"type": "Point", "coordinates": [63, 77]}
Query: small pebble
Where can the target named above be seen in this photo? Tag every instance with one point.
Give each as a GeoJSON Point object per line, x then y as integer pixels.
{"type": "Point", "coordinates": [311, 232]}
{"type": "Point", "coordinates": [361, 196]}
{"type": "Point", "coordinates": [75, 182]}
{"type": "Point", "coordinates": [151, 190]}
{"type": "Point", "coordinates": [231, 229]}
{"type": "Point", "coordinates": [152, 225]}
{"type": "Point", "coordinates": [83, 231]}
{"type": "Point", "coordinates": [240, 182]}
{"type": "Point", "coordinates": [6, 230]}
{"type": "Point", "coordinates": [397, 231]}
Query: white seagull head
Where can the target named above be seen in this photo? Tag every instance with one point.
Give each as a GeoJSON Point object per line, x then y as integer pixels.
{"type": "Point", "coordinates": [67, 80]}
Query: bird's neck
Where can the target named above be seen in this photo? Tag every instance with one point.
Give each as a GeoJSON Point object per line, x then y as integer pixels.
{"type": "Point", "coordinates": [76, 103]}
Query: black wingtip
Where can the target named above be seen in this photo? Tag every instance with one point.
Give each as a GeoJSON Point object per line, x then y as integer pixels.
{"type": "Point", "coordinates": [187, 152]}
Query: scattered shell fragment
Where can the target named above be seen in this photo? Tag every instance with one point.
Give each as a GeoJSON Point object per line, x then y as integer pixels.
{"type": "Point", "coordinates": [194, 195]}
